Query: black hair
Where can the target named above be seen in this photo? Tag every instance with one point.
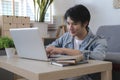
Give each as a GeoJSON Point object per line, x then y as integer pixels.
{"type": "Point", "coordinates": [78, 13]}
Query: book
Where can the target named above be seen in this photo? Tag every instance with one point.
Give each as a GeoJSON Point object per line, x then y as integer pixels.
{"type": "Point", "coordinates": [70, 61]}
{"type": "Point", "coordinates": [67, 60]}
{"type": "Point", "coordinates": [63, 64]}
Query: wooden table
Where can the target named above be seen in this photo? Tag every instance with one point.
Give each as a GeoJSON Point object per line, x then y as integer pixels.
{"type": "Point", "coordinates": [39, 70]}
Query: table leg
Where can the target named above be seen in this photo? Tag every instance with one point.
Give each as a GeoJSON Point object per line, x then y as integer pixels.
{"type": "Point", "coordinates": [106, 75]}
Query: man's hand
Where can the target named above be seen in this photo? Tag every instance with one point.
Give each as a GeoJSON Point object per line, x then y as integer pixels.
{"type": "Point", "coordinates": [49, 49]}
{"type": "Point", "coordinates": [54, 50]}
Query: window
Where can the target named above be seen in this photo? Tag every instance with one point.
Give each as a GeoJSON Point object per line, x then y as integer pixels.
{"type": "Point", "coordinates": [21, 8]}
{"type": "Point", "coordinates": [6, 7]}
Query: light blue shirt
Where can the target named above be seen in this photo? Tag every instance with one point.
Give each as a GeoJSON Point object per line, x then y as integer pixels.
{"type": "Point", "coordinates": [93, 46]}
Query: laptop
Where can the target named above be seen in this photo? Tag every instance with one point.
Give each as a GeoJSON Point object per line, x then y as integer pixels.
{"type": "Point", "coordinates": [29, 45]}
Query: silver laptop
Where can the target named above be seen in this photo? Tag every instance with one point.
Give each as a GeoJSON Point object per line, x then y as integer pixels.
{"type": "Point", "coordinates": [29, 43]}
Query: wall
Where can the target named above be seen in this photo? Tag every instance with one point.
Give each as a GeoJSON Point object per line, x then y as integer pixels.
{"type": "Point", "coordinates": [60, 6]}
{"type": "Point", "coordinates": [102, 11]}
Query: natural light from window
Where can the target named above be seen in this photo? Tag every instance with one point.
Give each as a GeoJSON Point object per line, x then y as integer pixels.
{"type": "Point", "coordinates": [21, 8]}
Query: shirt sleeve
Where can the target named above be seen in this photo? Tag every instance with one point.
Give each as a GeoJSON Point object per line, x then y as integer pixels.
{"type": "Point", "coordinates": [98, 51]}
{"type": "Point", "coordinates": [58, 42]}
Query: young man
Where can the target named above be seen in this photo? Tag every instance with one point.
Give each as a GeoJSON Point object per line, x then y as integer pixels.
{"type": "Point", "coordinates": [79, 40]}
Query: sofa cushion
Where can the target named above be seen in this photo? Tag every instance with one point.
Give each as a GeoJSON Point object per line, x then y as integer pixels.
{"type": "Point", "coordinates": [112, 35]}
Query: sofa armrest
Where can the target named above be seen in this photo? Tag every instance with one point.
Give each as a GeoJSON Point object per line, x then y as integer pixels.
{"type": "Point", "coordinates": [113, 57]}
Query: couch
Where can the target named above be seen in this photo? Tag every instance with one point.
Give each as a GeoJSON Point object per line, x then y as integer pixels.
{"type": "Point", "coordinates": [112, 35]}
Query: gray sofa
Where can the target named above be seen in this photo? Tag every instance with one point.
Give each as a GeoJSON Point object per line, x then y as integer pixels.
{"type": "Point", "coordinates": [112, 35]}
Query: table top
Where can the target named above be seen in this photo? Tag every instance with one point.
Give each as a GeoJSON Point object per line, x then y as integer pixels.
{"type": "Point", "coordinates": [35, 70]}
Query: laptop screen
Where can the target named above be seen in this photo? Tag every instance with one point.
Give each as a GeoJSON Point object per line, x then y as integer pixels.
{"type": "Point", "coordinates": [29, 43]}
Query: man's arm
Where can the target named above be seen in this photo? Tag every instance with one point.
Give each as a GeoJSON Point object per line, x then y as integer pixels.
{"type": "Point", "coordinates": [55, 50]}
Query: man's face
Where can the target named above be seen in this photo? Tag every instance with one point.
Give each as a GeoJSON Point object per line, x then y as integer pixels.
{"type": "Point", "coordinates": [75, 28]}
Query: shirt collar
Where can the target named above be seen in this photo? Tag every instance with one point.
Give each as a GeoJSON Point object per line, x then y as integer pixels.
{"type": "Point", "coordinates": [89, 37]}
